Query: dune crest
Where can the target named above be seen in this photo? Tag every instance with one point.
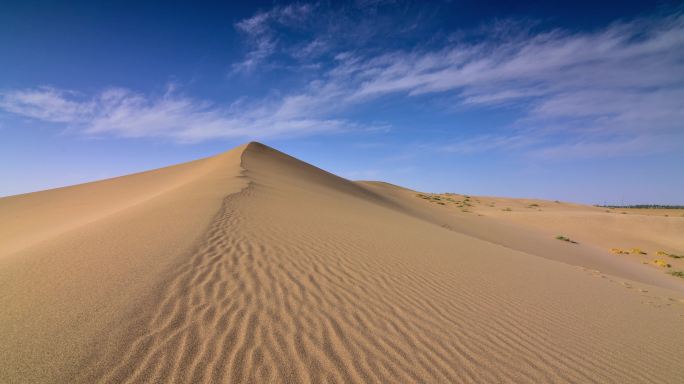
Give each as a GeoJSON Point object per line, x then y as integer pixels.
{"type": "Point", "coordinates": [253, 266]}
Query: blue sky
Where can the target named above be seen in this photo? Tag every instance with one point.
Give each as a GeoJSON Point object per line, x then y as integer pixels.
{"type": "Point", "coordinates": [567, 100]}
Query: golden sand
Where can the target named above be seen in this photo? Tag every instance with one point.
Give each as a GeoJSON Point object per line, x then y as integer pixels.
{"type": "Point", "coordinates": [252, 266]}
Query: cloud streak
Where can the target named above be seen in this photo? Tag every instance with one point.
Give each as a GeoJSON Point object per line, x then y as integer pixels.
{"type": "Point", "coordinates": [628, 77]}
{"type": "Point", "coordinates": [261, 33]}
{"type": "Point", "coordinates": [614, 86]}
{"type": "Point", "coordinates": [624, 83]}
{"type": "Point", "coordinates": [124, 113]}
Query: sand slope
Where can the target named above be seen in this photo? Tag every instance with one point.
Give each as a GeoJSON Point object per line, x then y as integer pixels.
{"type": "Point", "coordinates": [533, 229]}
{"type": "Point", "coordinates": [252, 266]}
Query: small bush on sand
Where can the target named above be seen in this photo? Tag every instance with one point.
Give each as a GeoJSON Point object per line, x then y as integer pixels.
{"type": "Point", "coordinates": [633, 251]}
{"type": "Point", "coordinates": [663, 253]}
{"type": "Point", "coordinates": [661, 263]}
{"type": "Point", "coordinates": [506, 209]}
{"type": "Point", "coordinates": [677, 273]}
{"type": "Point", "coordinates": [563, 238]}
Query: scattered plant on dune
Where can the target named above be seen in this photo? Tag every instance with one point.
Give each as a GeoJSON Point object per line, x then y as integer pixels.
{"type": "Point", "coordinates": [506, 209]}
{"type": "Point", "coordinates": [563, 238]}
{"type": "Point", "coordinates": [633, 251]}
{"type": "Point", "coordinates": [677, 273]}
{"type": "Point", "coordinates": [441, 199]}
{"type": "Point", "coordinates": [663, 253]}
{"type": "Point", "coordinates": [661, 263]}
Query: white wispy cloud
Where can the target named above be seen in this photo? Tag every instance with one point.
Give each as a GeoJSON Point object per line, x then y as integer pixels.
{"type": "Point", "coordinates": [636, 146]}
{"type": "Point", "coordinates": [45, 103]}
{"type": "Point", "coordinates": [575, 91]}
{"type": "Point", "coordinates": [124, 113]}
{"type": "Point", "coordinates": [261, 33]}
{"type": "Point", "coordinates": [489, 142]}
{"type": "Point", "coordinates": [621, 81]}
{"type": "Point", "coordinates": [603, 87]}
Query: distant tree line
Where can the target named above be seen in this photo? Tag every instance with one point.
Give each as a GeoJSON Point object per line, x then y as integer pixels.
{"type": "Point", "coordinates": [644, 206]}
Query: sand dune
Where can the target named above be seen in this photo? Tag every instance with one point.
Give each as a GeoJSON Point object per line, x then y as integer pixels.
{"type": "Point", "coordinates": [534, 229]}
{"type": "Point", "coordinates": [253, 266]}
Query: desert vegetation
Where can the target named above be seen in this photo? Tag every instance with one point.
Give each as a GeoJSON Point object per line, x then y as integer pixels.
{"type": "Point", "coordinates": [661, 263]}
{"type": "Point", "coordinates": [566, 239]}
{"type": "Point", "coordinates": [448, 198]}
{"type": "Point", "coordinates": [663, 253]}
{"type": "Point", "coordinates": [643, 206]}
{"type": "Point", "coordinates": [677, 273]}
{"type": "Point", "coordinates": [632, 251]}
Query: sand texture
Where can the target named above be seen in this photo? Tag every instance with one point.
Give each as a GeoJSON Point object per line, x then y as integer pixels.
{"type": "Point", "coordinates": [252, 266]}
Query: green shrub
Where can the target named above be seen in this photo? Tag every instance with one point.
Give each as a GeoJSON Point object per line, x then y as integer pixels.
{"type": "Point", "coordinates": [563, 238]}
{"type": "Point", "coordinates": [677, 273]}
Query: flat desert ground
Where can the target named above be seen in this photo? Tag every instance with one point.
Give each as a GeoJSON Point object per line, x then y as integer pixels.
{"type": "Point", "coordinates": [252, 266]}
